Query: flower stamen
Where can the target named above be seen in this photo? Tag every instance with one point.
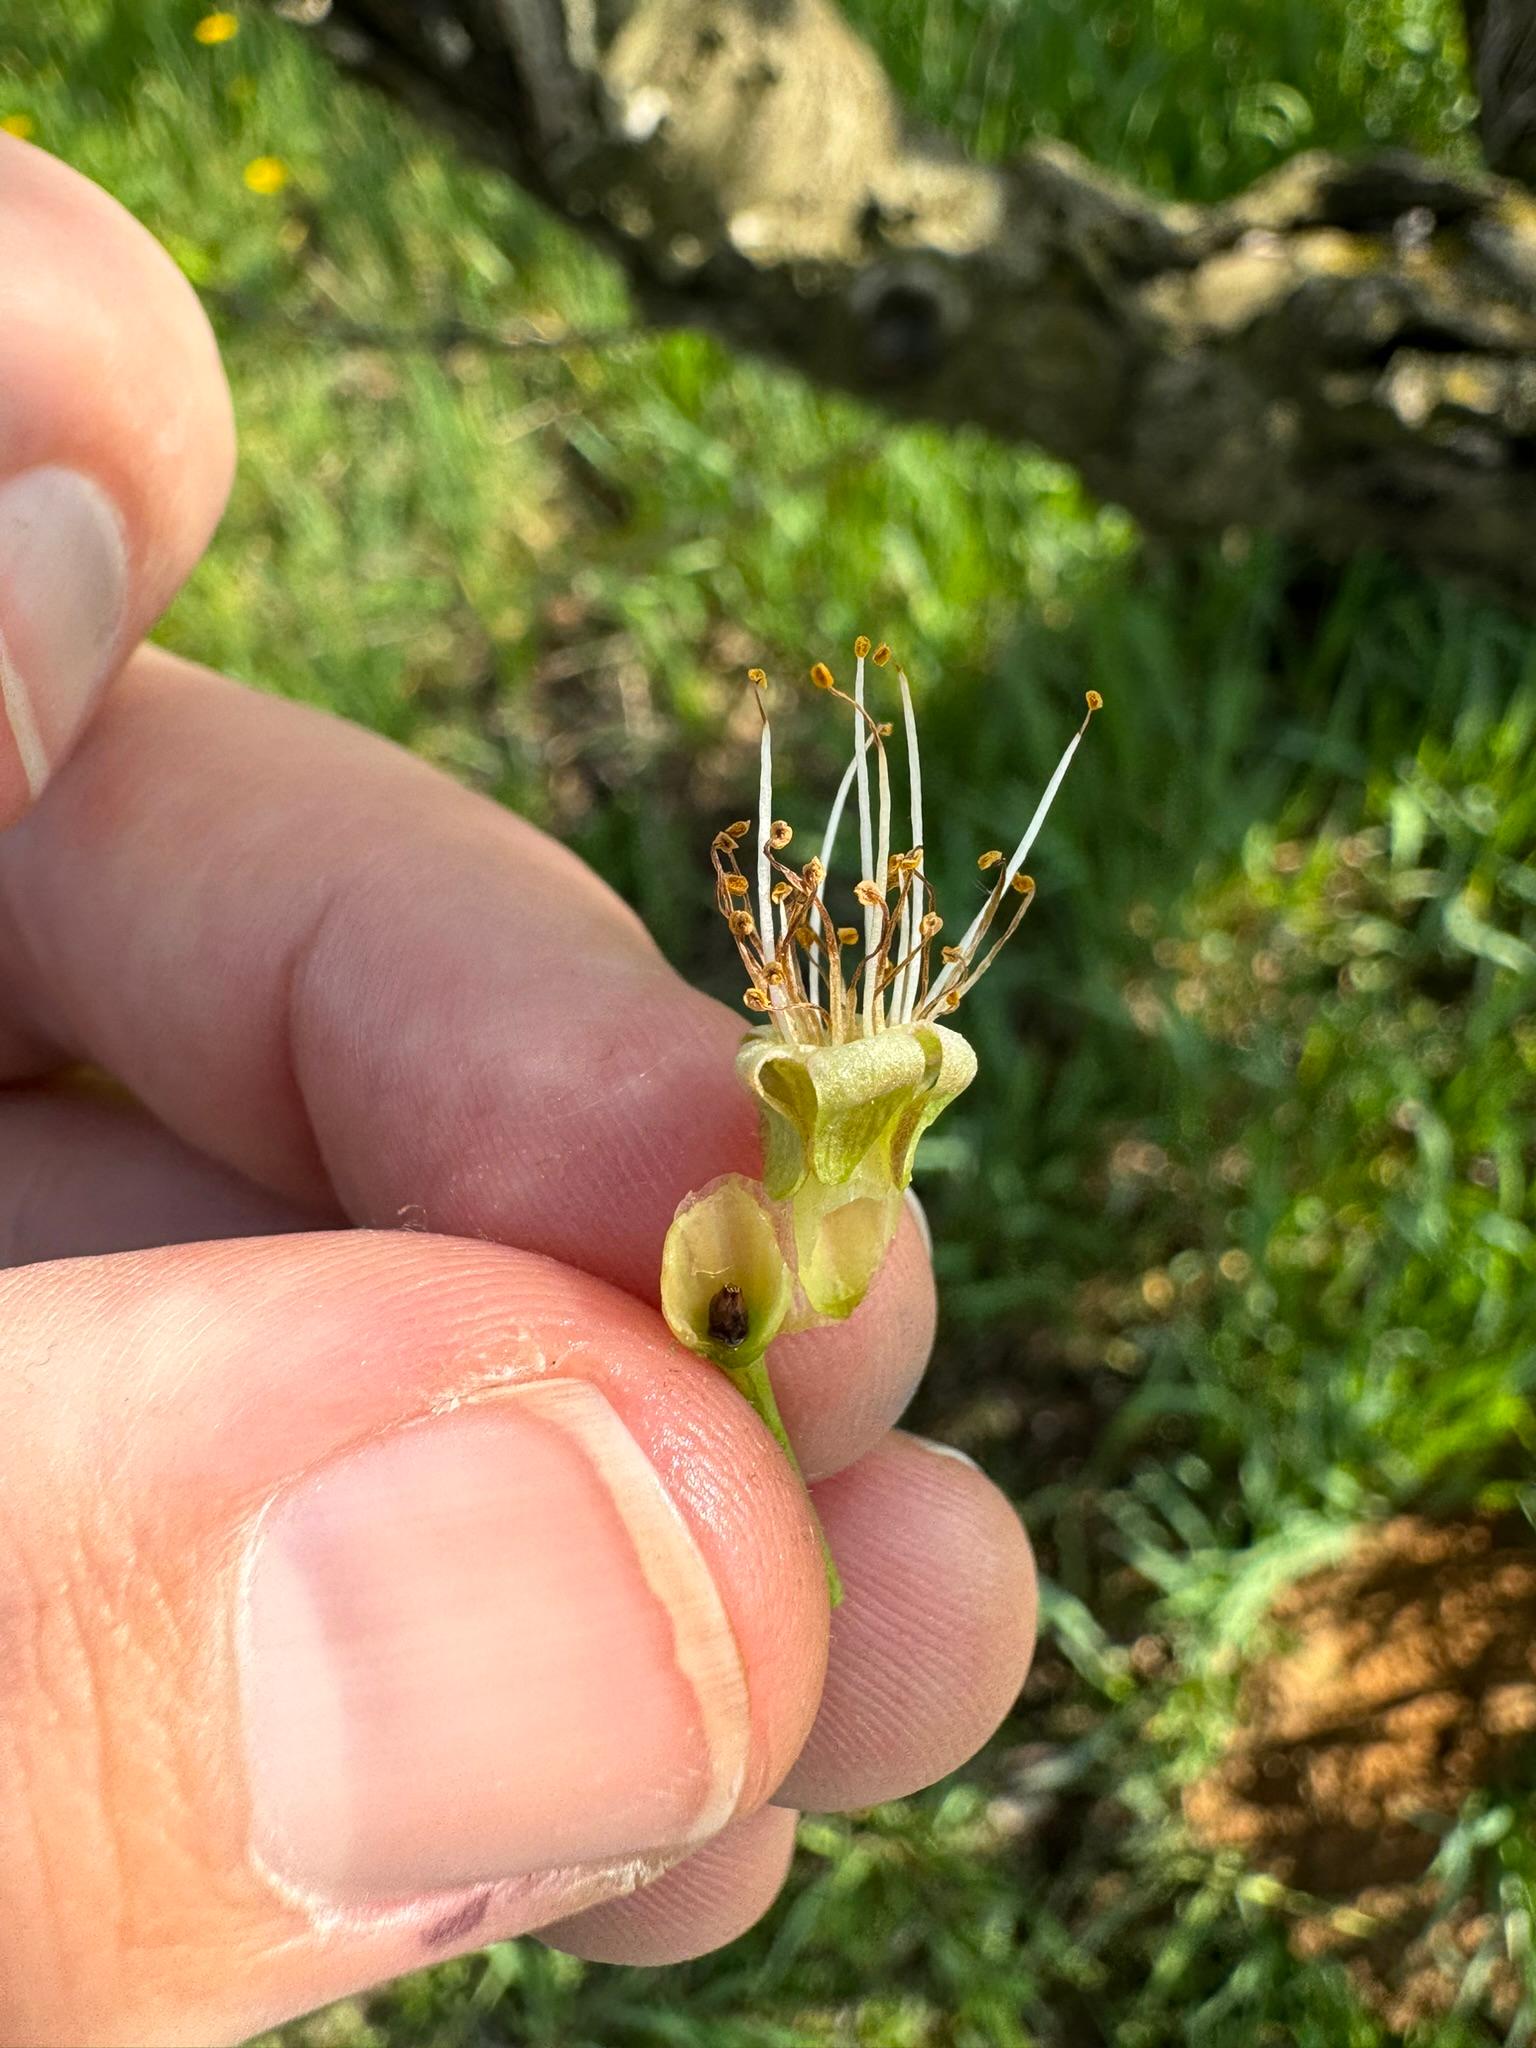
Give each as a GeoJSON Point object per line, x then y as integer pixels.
{"type": "Point", "coordinates": [759, 682]}
{"type": "Point", "coordinates": [983, 918]}
{"type": "Point", "coordinates": [900, 919]}
{"type": "Point", "coordinates": [866, 834]}
{"type": "Point", "coordinates": [907, 988]}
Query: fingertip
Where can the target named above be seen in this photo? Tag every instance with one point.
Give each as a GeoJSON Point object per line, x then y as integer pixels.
{"type": "Point", "coordinates": [935, 1636]}
{"type": "Point", "coordinates": [441, 1584]}
{"type": "Point", "coordinates": [842, 1387]}
{"type": "Point", "coordinates": [702, 1903]}
{"type": "Point", "coordinates": [116, 452]}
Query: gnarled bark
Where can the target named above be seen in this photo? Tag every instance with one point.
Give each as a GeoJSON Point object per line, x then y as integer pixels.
{"type": "Point", "coordinates": [1346, 352]}
{"type": "Point", "coordinates": [1501, 43]}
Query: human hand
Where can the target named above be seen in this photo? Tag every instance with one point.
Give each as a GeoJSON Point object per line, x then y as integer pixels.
{"type": "Point", "coordinates": [366, 1595]}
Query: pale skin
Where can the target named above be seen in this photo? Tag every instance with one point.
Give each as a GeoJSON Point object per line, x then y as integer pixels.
{"type": "Point", "coordinates": [338, 994]}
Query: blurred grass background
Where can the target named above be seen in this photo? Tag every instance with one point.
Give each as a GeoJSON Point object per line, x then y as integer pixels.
{"type": "Point", "coordinates": [1235, 1229]}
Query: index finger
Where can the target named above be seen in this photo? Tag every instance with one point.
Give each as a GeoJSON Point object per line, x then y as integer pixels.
{"type": "Point", "coordinates": [325, 964]}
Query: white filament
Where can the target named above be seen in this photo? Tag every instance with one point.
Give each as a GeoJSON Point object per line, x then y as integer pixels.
{"type": "Point", "coordinates": [874, 1004]}
{"type": "Point", "coordinates": [905, 998]}
{"type": "Point", "coordinates": [1021, 852]}
{"type": "Point", "coordinates": [1016, 861]}
{"type": "Point", "coordinates": [828, 842]}
{"type": "Point", "coordinates": [764, 869]}
{"type": "Point", "coordinates": [866, 836]}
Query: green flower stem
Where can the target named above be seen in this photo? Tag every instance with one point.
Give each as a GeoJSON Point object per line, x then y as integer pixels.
{"type": "Point", "coordinates": [753, 1383]}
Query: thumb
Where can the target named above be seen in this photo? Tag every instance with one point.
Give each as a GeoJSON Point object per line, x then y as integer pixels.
{"type": "Point", "coordinates": [116, 447]}
{"type": "Point", "coordinates": [363, 1597]}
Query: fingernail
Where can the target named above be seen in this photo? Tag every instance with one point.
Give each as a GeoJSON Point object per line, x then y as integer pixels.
{"type": "Point", "coordinates": [920, 1218]}
{"type": "Point", "coordinates": [485, 1645]}
{"type": "Point", "coordinates": [930, 1443]}
{"type": "Point", "coordinates": [63, 584]}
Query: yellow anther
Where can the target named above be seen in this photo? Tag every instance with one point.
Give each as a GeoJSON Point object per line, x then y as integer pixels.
{"type": "Point", "coordinates": [779, 835]}
{"type": "Point", "coordinates": [989, 859]}
{"type": "Point", "coordinates": [1094, 701]}
{"type": "Point", "coordinates": [951, 955]}
{"type": "Point", "coordinates": [931, 925]}
{"type": "Point", "coordinates": [757, 678]}
{"type": "Point", "coordinates": [1024, 885]}
{"type": "Point", "coordinates": [755, 999]}
{"type": "Point", "coordinates": [881, 655]}
{"type": "Point", "coordinates": [822, 676]}
{"type": "Point", "coordinates": [740, 829]}
{"type": "Point", "coordinates": [867, 894]}
{"type": "Point", "coordinates": [951, 1001]}
{"type": "Point", "coordinates": [815, 873]}
{"type": "Point", "coordinates": [735, 885]}
{"type": "Point", "coordinates": [847, 936]}
{"type": "Point", "coordinates": [741, 924]}
{"type": "Point", "coordinates": [861, 646]}
{"type": "Point", "coordinates": [779, 891]}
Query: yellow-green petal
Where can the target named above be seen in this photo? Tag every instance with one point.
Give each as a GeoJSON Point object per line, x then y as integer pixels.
{"type": "Point", "coordinates": [861, 1087]}
{"type": "Point", "coordinates": [825, 1109]}
{"type": "Point", "coordinates": [725, 1237]}
{"type": "Point", "coordinates": [949, 1070]}
{"type": "Point", "coordinates": [787, 1110]}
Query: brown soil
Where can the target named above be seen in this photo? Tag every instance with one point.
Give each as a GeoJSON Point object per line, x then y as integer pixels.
{"type": "Point", "coordinates": [1409, 1682]}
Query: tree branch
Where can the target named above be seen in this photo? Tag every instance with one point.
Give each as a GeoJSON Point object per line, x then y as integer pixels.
{"type": "Point", "coordinates": [1347, 352]}
{"type": "Point", "coordinates": [1501, 43]}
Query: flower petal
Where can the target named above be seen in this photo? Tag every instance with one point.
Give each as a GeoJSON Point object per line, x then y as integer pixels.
{"type": "Point", "coordinates": [825, 1108]}
{"type": "Point", "coordinates": [776, 1075]}
{"type": "Point", "coordinates": [860, 1088]}
{"type": "Point", "coordinates": [950, 1070]}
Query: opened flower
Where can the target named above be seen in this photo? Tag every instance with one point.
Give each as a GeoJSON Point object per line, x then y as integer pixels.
{"type": "Point", "coordinates": [850, 1063]}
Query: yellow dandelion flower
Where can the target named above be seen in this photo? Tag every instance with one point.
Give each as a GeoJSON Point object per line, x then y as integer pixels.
{"type": "Point", "coordinates": [266, 175]}
{"type": "Point", "coordinates": [214, 29]}
{"type": "Point", "coordinates": [22, 126]}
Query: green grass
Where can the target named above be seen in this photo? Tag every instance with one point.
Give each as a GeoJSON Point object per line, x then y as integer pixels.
{"type": "Point", "coordinates": [1236, 1226]}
